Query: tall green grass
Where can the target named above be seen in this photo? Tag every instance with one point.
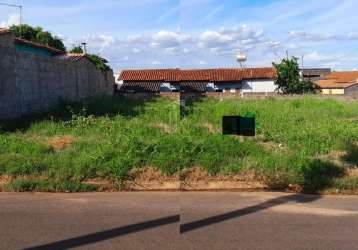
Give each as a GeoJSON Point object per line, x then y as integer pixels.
{"type": "Point", "coordinates": [111, 136]}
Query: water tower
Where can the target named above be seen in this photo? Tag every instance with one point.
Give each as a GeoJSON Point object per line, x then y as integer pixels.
{"type": "Point", "coordinates": [241, 58]}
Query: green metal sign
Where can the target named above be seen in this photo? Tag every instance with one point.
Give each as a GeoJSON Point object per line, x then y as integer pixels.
{"type": "Point", "coordinates": [239, 125]}
{"type": "Point", "coordinates": [230, 125]}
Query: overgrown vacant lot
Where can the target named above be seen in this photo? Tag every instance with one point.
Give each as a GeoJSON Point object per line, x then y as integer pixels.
{"type": "Point", "coordinates": [304, 144]}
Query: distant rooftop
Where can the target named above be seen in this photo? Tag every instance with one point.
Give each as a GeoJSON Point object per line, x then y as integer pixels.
{"type": "Point", "coordinates": [214, 75]}
{"type": "Point", "coordinates": [341, 79]}
{"type": "Point", "coordinates": [4, 30]}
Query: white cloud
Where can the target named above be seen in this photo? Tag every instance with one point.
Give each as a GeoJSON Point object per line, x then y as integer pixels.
{"type": "Point", "coordinates": [168, 39]}
{"type": "Point", "coordinates": [229, 40]}
{"type": "Point", "coordinates": [156, 63]}
{"type": "Point", "coordinates": [214, 39]}
{"type": "Point", "coordinates": [14, 19]}
{"type": "Point", "coordinates": [310, 36]}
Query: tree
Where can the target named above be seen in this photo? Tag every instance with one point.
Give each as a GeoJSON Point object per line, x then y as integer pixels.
{"type": "Point", "coordinates": [289, 80]}
{"type": "Point", "coordinates": [76, 50]}
{"type": "Point", "coordinates": [38, 35]}
{"type": "Point", "coordinates": [100, 62]}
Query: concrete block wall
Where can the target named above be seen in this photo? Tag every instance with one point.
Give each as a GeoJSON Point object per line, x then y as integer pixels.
{"type": "Point", "coordinates": [32, 83]}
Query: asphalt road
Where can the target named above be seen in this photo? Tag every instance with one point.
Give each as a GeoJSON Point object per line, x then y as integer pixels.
{"type": "Point", "coordinates": [199, 220]}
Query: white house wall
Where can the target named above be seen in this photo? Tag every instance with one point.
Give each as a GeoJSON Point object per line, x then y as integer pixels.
{"type": "Point", "coordinates": [258, 86]}
{"type": "Point", "coordinates": [228, 87]}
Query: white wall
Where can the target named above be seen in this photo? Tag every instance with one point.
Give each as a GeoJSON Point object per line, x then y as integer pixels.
{"type": "Point", "coordinates": [258, 86]}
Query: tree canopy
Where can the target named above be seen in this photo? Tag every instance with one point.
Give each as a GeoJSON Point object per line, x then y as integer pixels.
{"type": "Point", "coordinates": [289, 80]}
{"type": "Point", "coordinates": [76, 50]}
{"type": "Point", "coordinates": [38, 35]}
{"type": "Point", "coordinates": [100, 62]}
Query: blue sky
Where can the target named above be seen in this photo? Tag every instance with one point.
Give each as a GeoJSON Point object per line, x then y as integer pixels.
{"type": "Point", "coordinates": [201, 33]}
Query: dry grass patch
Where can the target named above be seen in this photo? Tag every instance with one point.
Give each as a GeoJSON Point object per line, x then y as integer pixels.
{"type": "Point", "coordinates": [273, 147]}
{"type": "Point", "coordinates": [164, 127]}
{"type": "Point", "coordinates": [197, 178]}
{"type": "Point", "coordinates": [4, 179]}
{"type": "Point", "coordinates": [150, 178]}
{"type": "Point", "coordinates": [211, 128]}
{"type": "Point", "coordinates": [61, 142]}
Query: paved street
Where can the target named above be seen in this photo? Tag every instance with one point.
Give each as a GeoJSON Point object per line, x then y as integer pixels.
{"type": "Point", "coordinates": [198, 220]}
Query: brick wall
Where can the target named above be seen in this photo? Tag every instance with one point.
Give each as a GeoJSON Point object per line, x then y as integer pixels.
{"type": "Point", "coordinates": [31, 83]}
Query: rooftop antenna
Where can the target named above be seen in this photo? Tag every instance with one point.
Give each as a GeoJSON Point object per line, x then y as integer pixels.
{"type": "Point", "coordinates": [241, 58]}
{"type": "Point", "coordinates": [84, 48]}
{"type": "Point", "coordinates": [20, 12]}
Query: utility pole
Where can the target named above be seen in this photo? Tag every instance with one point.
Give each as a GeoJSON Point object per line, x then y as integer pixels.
{"type": "Point", "coordinates": [20, 12]}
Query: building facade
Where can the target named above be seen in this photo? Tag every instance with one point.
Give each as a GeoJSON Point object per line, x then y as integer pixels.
{"type": "Point", "coordinates": [225, 80]}
{"type": "Point", "coordinates": [340, 83]}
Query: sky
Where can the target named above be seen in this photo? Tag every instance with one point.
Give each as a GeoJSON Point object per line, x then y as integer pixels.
{"type": "Point", "coordinates": [200, 33]}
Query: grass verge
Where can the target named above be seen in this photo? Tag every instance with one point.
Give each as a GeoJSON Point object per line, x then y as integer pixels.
{"type": "Point", "coordinates": [307, 143]}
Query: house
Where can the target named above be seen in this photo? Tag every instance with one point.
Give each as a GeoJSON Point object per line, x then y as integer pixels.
{"type": "Point", "coordinates": [339, 83]}
{"type": "Point", "coordinates": [314, 74]}
{"type": "Point", "coordinates": [226, 80]}
{"type": "Point", "coordinates": [36, 48]}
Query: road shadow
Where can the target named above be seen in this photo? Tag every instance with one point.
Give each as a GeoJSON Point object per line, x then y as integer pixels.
{"type": "Point", "coordinates": [298, 198]}
{"type": "Point", "coordinates": [65, 111]}
{"type": "Point", "coordinates": [320, 175]}
{"type": "Point", "coordinates": [352, 154]}
{"type": "Point", "coordinates": [108, 234]}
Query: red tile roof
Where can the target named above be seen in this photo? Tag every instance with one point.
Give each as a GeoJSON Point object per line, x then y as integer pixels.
{"type": "Point", "coordinates": [74, 56]}
{"type": "Point", "coordinates": [4, 31]}
{"type": "Point", "coordinates": [130, 87]}
{"type": "Point", "coordinates": [343, 79]}
{"type": "Point", "coordinates": [172, 75]}
{"type": "Point", "coordinates": [214, 75]}
{"type": "Point", "coordinates": [39, 46]}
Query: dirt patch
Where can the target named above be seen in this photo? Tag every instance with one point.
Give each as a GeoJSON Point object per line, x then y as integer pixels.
{"type": "Point", "coordinates": [337, 154]}
{"type": "Point", "coordinates": [105, 185]}
{"type": "Point", "coordinates": [197, 178]}
{"type": "Point", "coordinates": [193, 179]}
{"type": "Point", "coordinates": [4, 179]}
{"type": "Point", "coordinates": [165, 127]}
{"type": "Point", "coordinates": [61, 142]}
{"type": "Point", "coordinates": [211, 128]}
{"type": "Point", "coordinates": [352, 119]}
{"type": "Point", "coordinates": [272, 146]}
{"type": "Point", "coordinates": [150, 178]}
{"type": "Point", "coordinates": [352, 172]}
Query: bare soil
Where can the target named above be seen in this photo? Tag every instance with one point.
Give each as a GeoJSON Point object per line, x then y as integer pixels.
{"type": "Point", "coordinates": [164, 127]}
{"type": "Point", "coordinates": [197, 178]}
{"type": "Point", "coordinates": [61, 142]}
{"type": "Point", "coordinates": [211, 128]}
